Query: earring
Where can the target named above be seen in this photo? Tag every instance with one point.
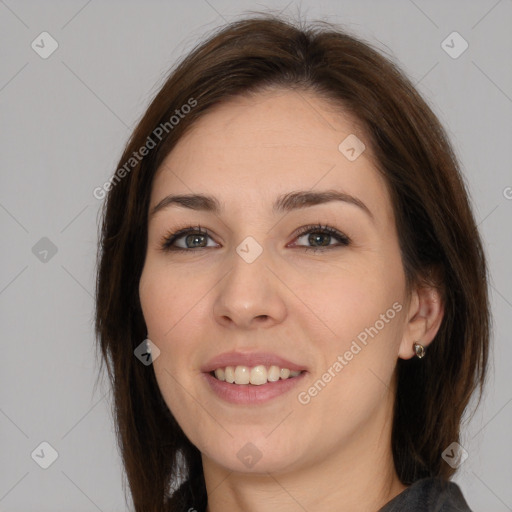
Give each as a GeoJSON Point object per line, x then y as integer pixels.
{"type": "Point", "coordinates": [419, 349]}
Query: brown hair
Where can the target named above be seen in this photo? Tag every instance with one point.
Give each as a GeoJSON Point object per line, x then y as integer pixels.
{"type": "Point", "coordinates": [437, 234]}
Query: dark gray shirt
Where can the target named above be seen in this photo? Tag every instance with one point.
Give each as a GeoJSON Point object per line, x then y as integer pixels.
{"type": "Point", "coordinates": [428, 495]}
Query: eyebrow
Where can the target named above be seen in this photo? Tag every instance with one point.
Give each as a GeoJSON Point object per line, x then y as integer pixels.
{"type": "Point", "coordinates": [284, 203]}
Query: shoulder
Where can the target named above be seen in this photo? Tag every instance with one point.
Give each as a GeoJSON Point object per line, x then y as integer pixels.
{"type": "Point", "coordinates": [429, 495]}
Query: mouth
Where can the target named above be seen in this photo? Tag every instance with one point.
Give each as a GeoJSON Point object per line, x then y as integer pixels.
{"type": "Point", "coordinates": [258, 375]}
{"type": "Point", "coordinates": [251, 378]}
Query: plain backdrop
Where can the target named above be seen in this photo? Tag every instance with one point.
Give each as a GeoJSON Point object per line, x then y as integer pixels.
{"type": "Point", "coordinates": [65, 119]}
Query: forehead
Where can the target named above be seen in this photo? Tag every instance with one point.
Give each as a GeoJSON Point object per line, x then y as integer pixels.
{"type": "Point", "coordinates": [259, 146]}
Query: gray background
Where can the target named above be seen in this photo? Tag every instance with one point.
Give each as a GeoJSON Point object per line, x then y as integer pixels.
{"type": "Point", "coordinates": [65, 120]}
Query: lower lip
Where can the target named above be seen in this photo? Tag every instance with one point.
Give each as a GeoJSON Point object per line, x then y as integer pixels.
{"type": "Point", "coordinates": [249, 394]}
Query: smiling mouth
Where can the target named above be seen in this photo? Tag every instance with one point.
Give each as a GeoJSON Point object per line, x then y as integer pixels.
{"type": "Point", "coordinates": [255, 375]}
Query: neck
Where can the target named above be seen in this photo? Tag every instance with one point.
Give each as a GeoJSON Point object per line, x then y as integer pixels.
{"type": "Point", "coordinates": [290, 493]}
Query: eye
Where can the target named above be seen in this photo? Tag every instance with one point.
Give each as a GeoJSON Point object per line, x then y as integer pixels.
{"type": "Point", "coordinates": [320, 237]}
{"type": "Point", "coordinates": [194, 237]}
{"type": "Point", "coordinates": [186, 239]}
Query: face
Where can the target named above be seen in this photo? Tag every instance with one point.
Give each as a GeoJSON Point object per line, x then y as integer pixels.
{"type": "Point", "coordinates": [270, 284]}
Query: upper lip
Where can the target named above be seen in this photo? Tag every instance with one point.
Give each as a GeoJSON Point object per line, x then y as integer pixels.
{"type": "Point", "coordinates": [249, 359]}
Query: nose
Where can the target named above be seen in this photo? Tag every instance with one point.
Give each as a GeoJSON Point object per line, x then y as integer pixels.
{"type": "Point", "coordinates": [250, 295]}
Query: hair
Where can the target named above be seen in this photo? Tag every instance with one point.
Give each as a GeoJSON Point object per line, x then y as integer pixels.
{"type": "Point", "coordinates": [438, 238]}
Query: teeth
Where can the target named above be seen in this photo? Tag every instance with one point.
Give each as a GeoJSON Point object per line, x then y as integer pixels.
{"type": "Point", "coordinates": [273, 374]}
{"type": "Point", "coordinates": [229, 374]}
{"type": "Point", "coordinates": [242, 375]}
{"type": "Point", "coordinates": [256, 375]}
{"type": "Point", "coordinates": [220, 374]}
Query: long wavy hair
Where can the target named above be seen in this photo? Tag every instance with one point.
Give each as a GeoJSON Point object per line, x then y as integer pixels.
{"type": "Point", "coordinates": [438, 237]}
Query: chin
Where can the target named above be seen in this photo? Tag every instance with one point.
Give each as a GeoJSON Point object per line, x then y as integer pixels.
{"type": "Point", "coordinates": [253, 454]}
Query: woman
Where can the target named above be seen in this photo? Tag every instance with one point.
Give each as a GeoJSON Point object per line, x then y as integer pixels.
{"type": "Point", "coordinates": [289, 241]}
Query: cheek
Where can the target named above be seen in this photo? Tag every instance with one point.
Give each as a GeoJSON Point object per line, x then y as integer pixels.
{"type": "Point", "coordinates": [170, 308]}
{"type": "Point", "coordinates": [351, 299]}
{"type": "Point", "coordinates": [352, 383]}
{"type": "Point", "coordinates": [167, 299]}
{"type": "Point", "coordinates": [167, 307]}
{"type": "Point", "coordinates": [171, 305]}
{"type": "Point", "coordinates": [363, 311]}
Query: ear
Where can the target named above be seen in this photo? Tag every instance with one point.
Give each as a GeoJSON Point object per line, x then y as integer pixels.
{"type": "Point", "coordinates": [424, 317]}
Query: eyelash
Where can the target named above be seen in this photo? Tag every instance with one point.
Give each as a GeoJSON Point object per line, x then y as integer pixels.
{"type": "Point", "coordinates": [169, 238]}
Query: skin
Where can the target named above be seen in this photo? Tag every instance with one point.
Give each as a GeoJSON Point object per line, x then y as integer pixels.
{"type": "Point", "coordinates": [334, 452]}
